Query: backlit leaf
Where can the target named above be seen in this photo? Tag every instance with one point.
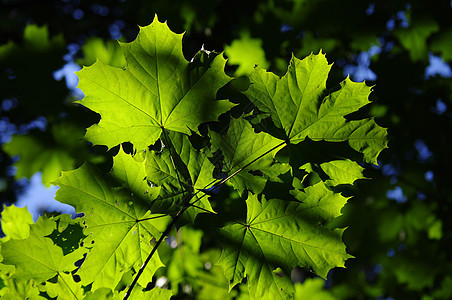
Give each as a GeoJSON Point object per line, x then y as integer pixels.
{"type": "Point", "coordinates": [240, 146]}
{"type": "Point", "coordinates": [120, 227]}
{"type": "Point", "coordinates": [181, 171]}
{"type": "Point", "coordinates": [342, 172]}
{"type": "Point", "coordinates": [65, 289]}
{"type": "Point", "coordinates": [283, 234]}
{"type": "Point", "coordinates": [158, 89]}
{"type": "Point", "coordinates": [37, 257]}
{"type": "Point", "coordinates": [16, 222]}
{"type": "Point", "coordinates": [300, 104]}
{"type": "Point", "coordinates": [246, 52]}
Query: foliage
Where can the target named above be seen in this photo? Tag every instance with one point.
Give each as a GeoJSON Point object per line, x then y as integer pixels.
{"type": "Point", "coordinates": [397, 223]}
{"type": "Point", "coordinates": [157, 103]}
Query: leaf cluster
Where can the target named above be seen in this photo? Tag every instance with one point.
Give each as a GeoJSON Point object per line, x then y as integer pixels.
{"type": "Point", "coordinates": [182, 145]}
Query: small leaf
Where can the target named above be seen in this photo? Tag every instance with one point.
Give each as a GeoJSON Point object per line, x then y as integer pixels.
{"type": "Point", "coordinates": [180, 171]}
{"type": "Point", "coordinates": [312, 289]}
{"type": "Point", "coordinates": [414, 38]}
{"type": "Point", "coordinates": [37, 156]}
{"type": "Point", "coordinates": [16, 222]}
{"type": "Point", "coordinates": [342, 172]}
{"type": "Point", "coordinates": [246, 52]}
{"type": "Point", "coordinates": [108, 52]}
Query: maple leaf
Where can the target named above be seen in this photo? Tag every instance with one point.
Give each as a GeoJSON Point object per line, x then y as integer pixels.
{"type": "Point", "coordinates": [16, 222]}
{"type": "Point", "coordinates": [300, 104]}
{"type": "Point", "coordinates": [37, 257]}
{"type": "Point", "coordinates": [284, 234]}
{"type": "Point", "coordinates": [119, 226]}
{"type": "Point", "coordinates": [242, 147]}
{"type": "Point", "coordinates": [342, 172]}
{"type": "Point", "coordinates": [109, 52]}
{"type": "Point", "coordinates": [246, 52]}
{"type": "Point", "coordinates": [180, 171]}
{"type": "Point", "coordinates": [159, 89]}
{"type": "Point", "coordinates": [49, 153]}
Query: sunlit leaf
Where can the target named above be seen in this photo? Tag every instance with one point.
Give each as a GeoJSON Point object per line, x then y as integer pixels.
{"type": "Point", "coordinates": [242, 146]}
{"type": "Point", "coordinates": [120, 227]}
{"type": "Point", "coordinates": [16, 222]}
{"type": "Point", "coordinates": [414, 38]}
{"type": "Point", "coordinates": [342, 172]}
{"type": "Point", "coordinates": [284, 234]}
{"type": "Point", "coordinates": [246, 52]}
{"type": "Point", "coordinates": [159, 89]}
{"type": "Point", "coordinates": [37, 257]}
{"type": "Point", "coordinates": [300, 104]}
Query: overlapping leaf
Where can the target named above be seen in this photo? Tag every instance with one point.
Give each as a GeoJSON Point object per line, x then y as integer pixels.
{"type": "Point", "coordinates": [37, 257]}
{"type": "Point", "coordinates": [158, 89]}
{"type": "Point", "coordinates": [180, 171]}
{"type": "Point", "coordinates": [241, 146]}
{"type": "Point", "coordinates": [21, 289]}
{"type": "Point", "coordinates": [284, 234]}
{"type": "Point", "coordinates": [300, 104]}
{"type": "Point", "coordinates": [119, 226]}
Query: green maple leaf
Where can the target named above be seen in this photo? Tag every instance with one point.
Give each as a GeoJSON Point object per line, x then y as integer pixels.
{"type": "Point", "coordinates": [180, 171]}
{"type": "Point", "coordinates": [119, 226]}
{"type": "Point", "coordinates": [246, 52]}
{"type": "Point", "coordinates": [284, 234]}
{"type": "Point", "coordinates": [342, 172]}
{"type": "Point", "coordinates": [49, 153]}
{"type": "Point", "coordinates": [240, 146]}
{"type": "Point", "coordinates": [159, 89]}
{"type": "Point", "coordinates": [37, 257]}
{"type": "Point", "coordinates": [16, 222]}
{"type": "Point", "coordinates": [300, 104]}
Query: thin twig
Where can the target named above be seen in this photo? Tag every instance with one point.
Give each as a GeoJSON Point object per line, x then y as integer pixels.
{"type": "Point", "coordinates": [162, 237]}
